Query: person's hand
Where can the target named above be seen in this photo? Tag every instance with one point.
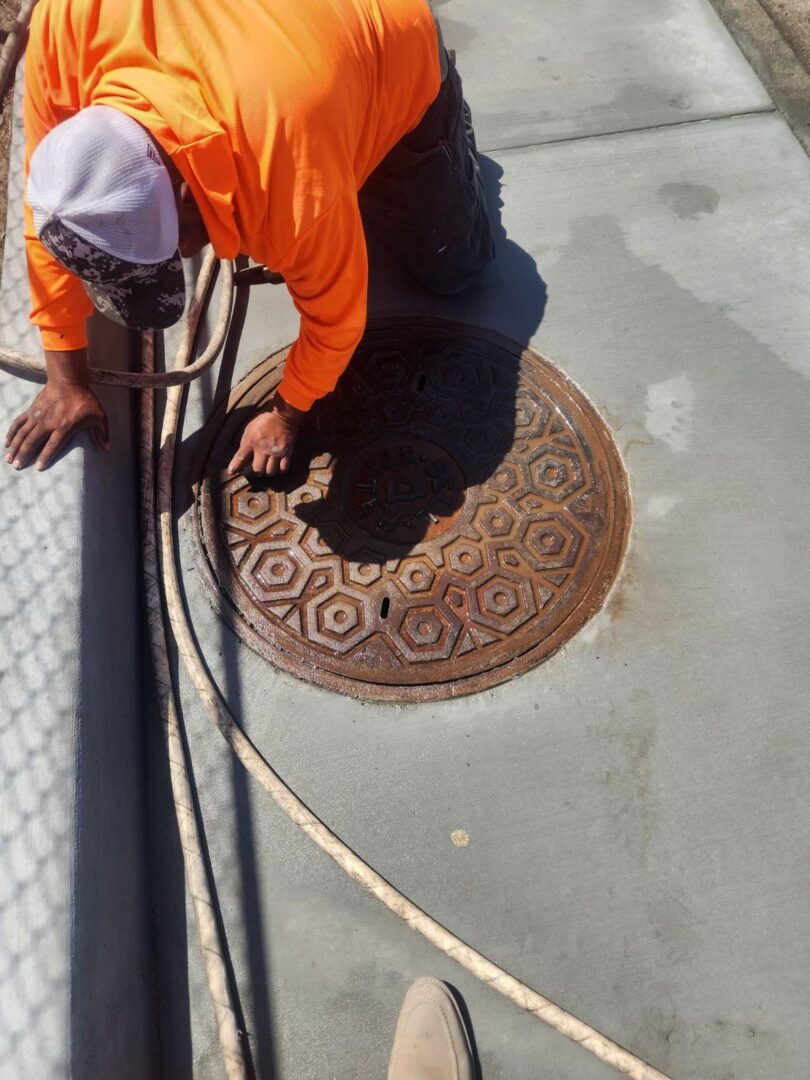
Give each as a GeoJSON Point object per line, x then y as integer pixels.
{"type": "Point", "coordinates": [268, 440]}
{"type": "Point", "coordinates": [64, 406]}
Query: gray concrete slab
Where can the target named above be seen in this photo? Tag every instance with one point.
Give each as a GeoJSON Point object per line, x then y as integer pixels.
{"type": "Point", "coordinates": [637, 805]}
{"type": "Point", "coordinates": [537, 72]}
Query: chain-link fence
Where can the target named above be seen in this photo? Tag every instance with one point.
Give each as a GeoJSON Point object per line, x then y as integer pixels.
{"type": "Point", "coordinates": [75, 984]}
{"type": "Point", "coordinates": [38, 648]}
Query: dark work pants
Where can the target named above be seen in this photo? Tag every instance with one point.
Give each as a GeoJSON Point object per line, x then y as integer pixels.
{"type": "Point", "coordinates": [425, 200]}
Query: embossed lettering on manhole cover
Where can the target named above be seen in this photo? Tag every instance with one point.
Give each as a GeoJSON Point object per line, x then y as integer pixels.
{"type": "Point", "coordinates": [456, 511]}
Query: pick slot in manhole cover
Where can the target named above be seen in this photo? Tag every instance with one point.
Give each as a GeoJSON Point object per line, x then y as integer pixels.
{"type": "Point", "coordinates": [456, 511]}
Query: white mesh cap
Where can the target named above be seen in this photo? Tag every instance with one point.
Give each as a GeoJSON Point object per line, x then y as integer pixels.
{"type": "Point", "coordinates": [100, 174]}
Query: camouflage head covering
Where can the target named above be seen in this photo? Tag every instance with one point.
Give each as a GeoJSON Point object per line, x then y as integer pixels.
{"type": "Point", "coordinates": [139, 296]}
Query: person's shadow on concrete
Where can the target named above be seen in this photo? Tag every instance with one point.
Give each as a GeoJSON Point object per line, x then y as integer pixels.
{"type": "Point", "coordinates": [399, 502]}
{"type": "Point", "coordinates": [516, 294]}
{"type": "Point", "coordinates": [389, 404]}
{"type": "Point", "coordinates": [510, 296]}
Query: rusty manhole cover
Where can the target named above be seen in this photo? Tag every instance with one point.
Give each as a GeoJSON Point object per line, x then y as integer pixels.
{"type": "Point", "coordinates": [456, 511]}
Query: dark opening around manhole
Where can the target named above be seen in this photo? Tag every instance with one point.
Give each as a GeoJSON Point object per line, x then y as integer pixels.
{"type": "Point", "coordinates": [455, 512]}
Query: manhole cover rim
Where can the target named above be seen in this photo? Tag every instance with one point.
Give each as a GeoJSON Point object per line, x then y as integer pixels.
{"type": "Point", "coordinates": [604, 574]}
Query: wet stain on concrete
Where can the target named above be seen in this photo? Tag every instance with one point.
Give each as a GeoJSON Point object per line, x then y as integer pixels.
{"type": "Point", "coordinates": [689, 200]}
{"type": "Point", "coordinates": [674, 926]}
{"type": "Point", "coordinates": [625, 770]}
{"type": "Point", "coordinates": [617, 604]}
{"type": "Point", "coordinates": [670, 405]}
{"type": "Point", "coordinates": [635, 100]}
{"type": "Point", "coordinates": [681, 101]}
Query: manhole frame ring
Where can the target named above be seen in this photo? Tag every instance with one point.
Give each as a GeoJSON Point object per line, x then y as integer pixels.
{"type": "Point", "coordinates": [592, 601]}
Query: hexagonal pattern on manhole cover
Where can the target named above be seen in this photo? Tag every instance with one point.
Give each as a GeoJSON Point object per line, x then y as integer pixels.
{"type": "Point", "coordinates": [456, 510]}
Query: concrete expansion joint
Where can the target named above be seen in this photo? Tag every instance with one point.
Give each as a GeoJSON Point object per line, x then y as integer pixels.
{"type": "Point", "coordinates": [592, 136]}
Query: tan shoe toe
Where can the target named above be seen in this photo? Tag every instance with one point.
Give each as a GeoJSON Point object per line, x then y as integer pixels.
{"type": "Point", "coordinates": [431, 1041]}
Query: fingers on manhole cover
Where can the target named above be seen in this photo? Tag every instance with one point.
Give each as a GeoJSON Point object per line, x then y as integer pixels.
{"type": "Point", "coordinates": [456, 511]}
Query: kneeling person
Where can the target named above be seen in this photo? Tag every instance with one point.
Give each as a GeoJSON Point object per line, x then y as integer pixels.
{"type": "Point", "coordinates": [261, 136]}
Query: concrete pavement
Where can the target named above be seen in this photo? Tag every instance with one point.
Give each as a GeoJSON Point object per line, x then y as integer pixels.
{"type": "Point", "coordinates": [636, 806]}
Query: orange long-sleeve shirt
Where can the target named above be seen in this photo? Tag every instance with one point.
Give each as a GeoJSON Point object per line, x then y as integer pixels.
{"type": "Point", "coordinates": [274, 111]}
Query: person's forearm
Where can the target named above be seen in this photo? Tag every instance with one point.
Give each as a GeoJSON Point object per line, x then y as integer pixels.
{"type": "Point", "coordinates": [67, 367]}
{"type": "Point", "coordinates": [281, 405]}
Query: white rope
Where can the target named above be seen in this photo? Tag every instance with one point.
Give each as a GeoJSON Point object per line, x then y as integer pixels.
{"type": "Point", "coordinates": [200, 886]}
{"type": "Point", "coordinates": [198, 881]}
{"type": "Point", "coordinates": [139, 380]}
{"type": "Point", "coordinates": [445, 941]}
{"type": "Point", "coordinates": [160, 568]}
